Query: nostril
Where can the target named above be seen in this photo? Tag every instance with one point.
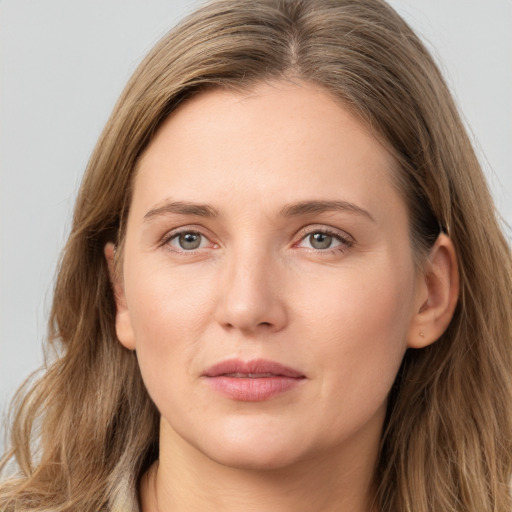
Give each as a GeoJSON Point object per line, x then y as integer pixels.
{"type": "Point", "coordinates": [250, 308]}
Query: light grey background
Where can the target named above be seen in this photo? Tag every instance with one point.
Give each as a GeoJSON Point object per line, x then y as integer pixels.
{"type": "Point", "coordinates": [64, 62]}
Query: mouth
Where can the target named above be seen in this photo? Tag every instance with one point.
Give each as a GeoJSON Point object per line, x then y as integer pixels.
{"type": "Point", "coordinates": [252, 381]}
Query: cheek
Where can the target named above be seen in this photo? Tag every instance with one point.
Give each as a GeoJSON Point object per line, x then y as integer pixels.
{"type": "Point", "coordinates": [167, 302]}
{"type": "Point", "coordinates": [359, 324]}
{"type": "Point", "coordinates": [169, 311]}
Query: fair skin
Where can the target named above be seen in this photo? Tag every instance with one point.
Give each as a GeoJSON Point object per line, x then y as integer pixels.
{"type": "Point", "coordinates": [265, 226]}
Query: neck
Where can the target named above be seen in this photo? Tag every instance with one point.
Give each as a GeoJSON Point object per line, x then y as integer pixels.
{"type": "Point", "coordinates": [185, 480]}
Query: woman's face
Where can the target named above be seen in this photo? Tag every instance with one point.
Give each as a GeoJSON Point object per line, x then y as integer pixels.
{"type": "Point", "coordinates": [268, 281]}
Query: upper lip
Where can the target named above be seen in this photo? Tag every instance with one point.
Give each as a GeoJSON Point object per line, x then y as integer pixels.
{"type": "Point", "coordinates": [253, 368]}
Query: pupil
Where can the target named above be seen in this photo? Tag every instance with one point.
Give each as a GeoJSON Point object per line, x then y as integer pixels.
{"type": "Point", "coordinates": [320, 240]}
{"type": "Point", "coordinates": [189, 241]}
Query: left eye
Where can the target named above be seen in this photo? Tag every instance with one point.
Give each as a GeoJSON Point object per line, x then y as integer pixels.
{"type": "Point", "coordinates": [188, 241]}
{"type": "Point", "coordinates": [321, 241]}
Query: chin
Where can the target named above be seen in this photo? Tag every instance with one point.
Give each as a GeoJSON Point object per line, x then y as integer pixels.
{"type": "Point", "coordinates": [254, 458]}
{"type": "Point", "coordinates": [247, 442]}
{"type": "Point", "coordinates": [256, 447]}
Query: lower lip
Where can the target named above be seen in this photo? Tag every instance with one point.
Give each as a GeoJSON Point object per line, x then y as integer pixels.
{"type": "Point", "coordinates": [252, 390]}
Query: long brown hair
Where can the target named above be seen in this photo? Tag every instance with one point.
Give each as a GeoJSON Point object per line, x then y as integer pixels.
{"type": "Point", "coordinates": [85, 432]}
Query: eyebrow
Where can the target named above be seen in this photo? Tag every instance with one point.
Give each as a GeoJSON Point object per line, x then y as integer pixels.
{"type": "Point", "coordinates": [311, 207]}
{"type": "Point", "coordinates": [182, 208]}
{"type": "Point", "coordinates": [291, 210]}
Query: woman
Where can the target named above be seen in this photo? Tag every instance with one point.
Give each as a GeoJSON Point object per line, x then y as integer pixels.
{"type": "Point", "coordinates": [286, 282]}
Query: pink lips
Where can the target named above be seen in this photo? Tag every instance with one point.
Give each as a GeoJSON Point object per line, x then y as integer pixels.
{"type": "Point", "coordinates": [252, 381]}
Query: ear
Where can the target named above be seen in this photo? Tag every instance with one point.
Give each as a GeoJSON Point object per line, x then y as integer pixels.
{"type": "Point", "coordinates": [124, 328]}
{"type": "Point", "coordinates": [437, 294]}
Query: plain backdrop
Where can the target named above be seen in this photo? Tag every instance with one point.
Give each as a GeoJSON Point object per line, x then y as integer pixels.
{"type": "Point", "coordinates": [63, 64]}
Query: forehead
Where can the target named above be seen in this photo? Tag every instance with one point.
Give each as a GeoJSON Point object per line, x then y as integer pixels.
{"type": "Point", "coordinates": [277, 140]}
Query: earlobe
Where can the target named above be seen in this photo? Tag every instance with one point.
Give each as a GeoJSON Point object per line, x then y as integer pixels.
{"type": "Point", "coordinates": [437, 293]}
{"type": "Point", "coordinates": [124, 328]}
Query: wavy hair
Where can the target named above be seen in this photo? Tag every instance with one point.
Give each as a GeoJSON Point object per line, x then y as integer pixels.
{"type": "Point", "coordinates": [84, 433]}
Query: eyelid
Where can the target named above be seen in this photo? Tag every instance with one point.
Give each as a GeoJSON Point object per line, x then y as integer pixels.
{"type": "Point", "coordinates": [345, 238]}
{"type": "Point", "coordinates": [196, 230]}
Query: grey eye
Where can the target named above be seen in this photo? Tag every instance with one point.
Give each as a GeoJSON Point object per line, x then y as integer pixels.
{"type": "Point", "coordinates": [320, 240]}
{"type": "Point", "coordinates": [189, 241]}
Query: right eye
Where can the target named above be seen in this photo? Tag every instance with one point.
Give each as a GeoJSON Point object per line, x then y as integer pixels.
{"type": "Point", "coordinates": [188, 241]}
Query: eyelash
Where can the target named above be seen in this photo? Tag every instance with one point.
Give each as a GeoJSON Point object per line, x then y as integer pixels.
{"type": "Point", "coordinates": [345, 241]}
{"type": "Point", "coordinates": [175, 234]}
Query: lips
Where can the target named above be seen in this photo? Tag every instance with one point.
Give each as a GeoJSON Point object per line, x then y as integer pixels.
{"type": "Point", "coordinates": [252, 381]}
{"type": "Point", "coordinates": [257, 368]}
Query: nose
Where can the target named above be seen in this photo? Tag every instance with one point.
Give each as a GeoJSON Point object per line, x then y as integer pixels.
{"type": "Point", "coordinates": [250, 295]}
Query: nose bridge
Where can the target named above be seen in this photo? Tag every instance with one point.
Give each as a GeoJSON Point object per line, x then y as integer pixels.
{"type": "Point", "coordinates": [250, 295]}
